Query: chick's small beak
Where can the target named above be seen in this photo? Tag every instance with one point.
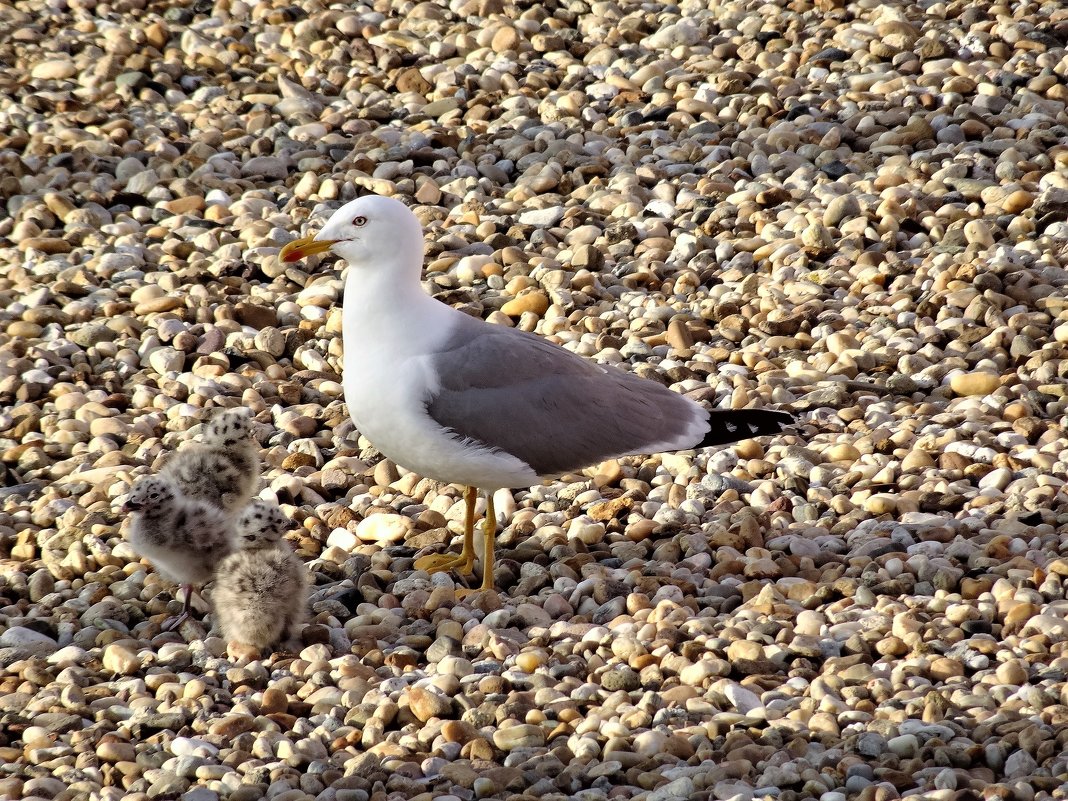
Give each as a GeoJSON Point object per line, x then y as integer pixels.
{"type": "Point", "coordinates": [302, 248]}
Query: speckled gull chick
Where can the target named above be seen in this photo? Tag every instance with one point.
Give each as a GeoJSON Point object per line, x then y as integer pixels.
{"type": "Point", "coordinates": [223, 466]}
{"type": "Point", "coordinates": [261, 588]}
{"type": "Point", "coordinates": [184, 538]}
{"type": "Point", "coordinates": [462, 401]}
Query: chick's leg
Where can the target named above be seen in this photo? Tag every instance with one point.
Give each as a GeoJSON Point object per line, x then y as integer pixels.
{"type": "Point", "coordinates": [187, 608]}
{"type": "Point", "coordinates": [464, 563]}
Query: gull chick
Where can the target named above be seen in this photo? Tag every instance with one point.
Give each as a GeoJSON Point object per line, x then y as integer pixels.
{"type": "Point", "coordinates": [461, 401]}
{"type": "Point", "coordinates": [184, 538]}
{"type": "Point", "coordinates": [260, 590]}
{"type": "Point", "coordinates": [223, 468]}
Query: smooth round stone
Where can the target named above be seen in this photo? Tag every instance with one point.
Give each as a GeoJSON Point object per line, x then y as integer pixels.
{"type": "Point", "coordinates": [516, 736]}
{"type": "Point", "coordinates": [904, 745]}
{"type": "Point", "coordinates": [166, 360]}
{"type": "Point", "coordinates": [996, 479]}
{"type": "Point", "coordinates": [744, 701]}
{"type": "Point", "coordinates": [69, 655]}
{"type": "Point", "coordinates": [881, 504]}
{"type": "Point", "coordinates": [458, 731]}
{"type": "Point", "coordinates": [192, 746]}
{"type": "Point", "coordinates": [24, 329]}
{"type": "Point", "coordinates": [694, 675]}
{"type": "Point", "coordinates": [529, 661]}
{"type": "Point", "coordinates": [943, 668]}
{"type": "Point", "coordinates": [843, 452]}
{"type": "Point", "coordinates": [56, 69]}
{"type": "Point", "coordinates": [1012, 672]}
{"type": "Point", "coordinates": [968, 384]}
{"type": "Point", "coordinates": [455, 666]}
{"type": "Point", "coordinates": [116, 751]}
{"type": "Point", "coordinates": [809, 622]}
{"type": "Point", "coordinates": [534, 302]}
{"type": "Point", "coordinates": [28, 639]}
{"type": "Point", "coordinates": [384, 528]}
{"type": "Point", "coordinates": [744, 649]}
{"type": "Point", "coordinates": [426, 704]}
{"type": "Point", "coordinates": [274, 700]}
{"type": "Point", "coordinates": [650, 743]}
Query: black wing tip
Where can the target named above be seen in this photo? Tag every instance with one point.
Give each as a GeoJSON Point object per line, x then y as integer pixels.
{"type": "Point", "coordinates": [738, 424]}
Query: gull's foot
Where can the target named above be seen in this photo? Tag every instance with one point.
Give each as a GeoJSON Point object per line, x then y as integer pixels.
{"type": "Point", "coordinates": [465, 592]}
{"type": "Point", "coordinates": [440, 562]}
{"type": "Point", "coordinates": [174, 622]}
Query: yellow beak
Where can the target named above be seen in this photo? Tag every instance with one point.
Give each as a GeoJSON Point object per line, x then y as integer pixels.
{"type": "Point", "coordinates": [302, 248]}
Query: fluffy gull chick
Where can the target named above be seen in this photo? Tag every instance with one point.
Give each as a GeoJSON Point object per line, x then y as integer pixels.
{"type": "Point", "coordinates": [260, 591]}
{"type": "Point", "coordinates": [223, 466]}
{"type": "Point", "coordinates": [184, 538]}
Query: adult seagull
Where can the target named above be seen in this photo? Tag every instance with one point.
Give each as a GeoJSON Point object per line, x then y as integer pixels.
{"type": "Point", "coordinates": [462, 401]}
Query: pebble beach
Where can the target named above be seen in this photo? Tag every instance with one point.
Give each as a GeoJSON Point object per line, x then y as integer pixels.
{"type": "Point", "coordinates": [855, 211]}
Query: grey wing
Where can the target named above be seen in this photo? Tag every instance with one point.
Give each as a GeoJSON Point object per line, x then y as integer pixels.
{"type": "Point", "coordinates": [550, 408]}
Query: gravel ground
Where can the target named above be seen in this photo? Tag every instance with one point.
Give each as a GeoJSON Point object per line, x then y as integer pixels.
{"type": "Point", "coordinates": [854, 210]}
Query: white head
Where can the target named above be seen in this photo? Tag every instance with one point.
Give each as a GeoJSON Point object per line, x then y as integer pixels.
{"type": "Point", "coordinates": [365, 232]}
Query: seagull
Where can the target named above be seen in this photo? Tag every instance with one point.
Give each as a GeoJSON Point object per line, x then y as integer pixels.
{"type": "Point", "coordinates": [260, 589]}
{"type": "Point", "coordinates": [223, 468]}
{"type": "Point", "coordinates": [459, 400]}
{"type": "Point", "coordinates": [184, 538]}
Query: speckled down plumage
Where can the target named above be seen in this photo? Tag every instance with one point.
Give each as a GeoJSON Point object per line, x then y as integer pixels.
{"type": "Point", "coordinates": [259, 595]}
{"type": "Point", "coordinates": [261, 524]}
{"type": "Point", "coordinates": [184, 538]}
{"type": "Point", "coordinates": [223, 468]}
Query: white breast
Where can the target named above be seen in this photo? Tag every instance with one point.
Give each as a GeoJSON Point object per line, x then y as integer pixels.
{"type": "Point", "coordinates": [387, 402]}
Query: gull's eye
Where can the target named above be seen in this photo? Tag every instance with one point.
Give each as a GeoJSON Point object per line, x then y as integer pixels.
{"type": "Point", "coordinates": [360, 221]}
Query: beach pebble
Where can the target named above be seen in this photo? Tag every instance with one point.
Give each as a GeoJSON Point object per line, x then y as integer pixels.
{"type": "Point", "coordinates": [854, 211]}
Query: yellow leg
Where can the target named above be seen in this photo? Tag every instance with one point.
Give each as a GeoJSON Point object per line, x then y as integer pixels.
{"type": "Point", "coordinates": [489, 534]}
{"type": "Point", "coordinates": [465, 562]}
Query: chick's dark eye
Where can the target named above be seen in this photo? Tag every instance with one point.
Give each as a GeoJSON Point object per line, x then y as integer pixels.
{"type": "Point", "coordinates": [359, 221]}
